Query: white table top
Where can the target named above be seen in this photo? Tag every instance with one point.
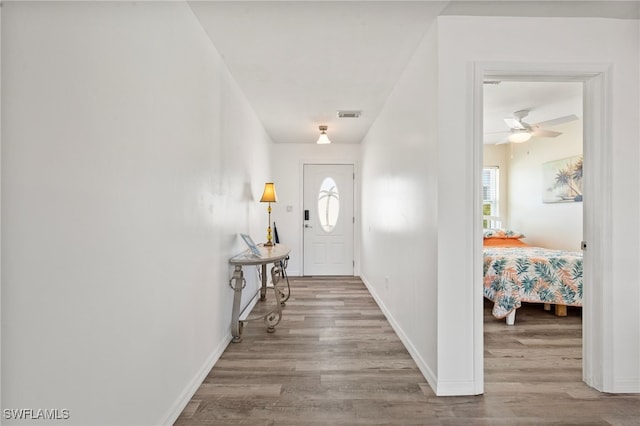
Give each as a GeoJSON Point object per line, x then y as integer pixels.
{"type": "Point", "coordinates": [267, 255]}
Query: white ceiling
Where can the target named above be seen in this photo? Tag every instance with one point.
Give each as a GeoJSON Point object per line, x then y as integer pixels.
{"type": "Point", "coordinates": [299, 62]}
{"type": "Point", "coordinates": [544, 101]}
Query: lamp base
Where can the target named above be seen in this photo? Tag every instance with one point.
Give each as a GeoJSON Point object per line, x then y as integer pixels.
{"type": "Point", "coordinates": [269, 244]}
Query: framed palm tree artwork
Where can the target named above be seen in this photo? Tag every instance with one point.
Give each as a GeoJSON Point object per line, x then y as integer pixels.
{"type": "Point", "coordinates": [562, 180]}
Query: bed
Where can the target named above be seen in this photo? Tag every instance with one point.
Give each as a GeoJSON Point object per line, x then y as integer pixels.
{"type": "Point", "coordinates": [515, 272]}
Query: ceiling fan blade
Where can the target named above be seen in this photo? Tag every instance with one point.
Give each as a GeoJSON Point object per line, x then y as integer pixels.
{"type": "Point", "coordinates": [503, 141]}
{"type": "Point", "coordinates": [544, 133]}
{"type": "Point", "coordinates": [557, 121]}
{"type": "Point", "coordinates": [514, 123]}
{"type": "Point", "coordinates": [495, 138]}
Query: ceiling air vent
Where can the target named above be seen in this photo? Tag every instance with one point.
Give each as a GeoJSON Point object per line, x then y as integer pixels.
{"type": "Point", "coordinates": [349, 114]}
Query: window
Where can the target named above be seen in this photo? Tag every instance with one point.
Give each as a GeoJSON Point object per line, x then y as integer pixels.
{"type": "Point", "coordinates": [328, 204]}
{"type": "Point", "coordinates": [490, 182]}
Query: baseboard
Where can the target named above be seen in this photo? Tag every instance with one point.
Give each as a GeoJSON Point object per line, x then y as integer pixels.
{"type": "Point", "coordinates": [631, 385]}
{"type": "Point", "coordinates": [293, 273]}
{"type": "Point", "coordinates": [628, 385]}
{"type": "Point", "coordinates": [593, 381]}
{"type": "Point", "coordinates": [186, 395]}
{"type": "Point", "coordinates": [406, 341]}
{"type": "Point", "coordinates": [464, 388]}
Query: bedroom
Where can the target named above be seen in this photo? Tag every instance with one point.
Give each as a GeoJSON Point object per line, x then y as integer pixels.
{"type": "Point", "coordinates": [534, 188]}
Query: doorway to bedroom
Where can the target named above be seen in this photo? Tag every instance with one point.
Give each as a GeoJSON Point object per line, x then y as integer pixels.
{"type": "Point", "coordinates": [532, 208]}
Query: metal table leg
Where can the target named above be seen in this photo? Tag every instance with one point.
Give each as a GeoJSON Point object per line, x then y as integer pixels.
{"type": "Point", "coordinates": [237, 283]}
{"type": "Point", "coordinates": [263, 289]}
{"type": "Point", "coordinates": [274, 317]}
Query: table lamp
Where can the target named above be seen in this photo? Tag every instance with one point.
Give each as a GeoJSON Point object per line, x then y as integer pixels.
{"type": "Point", "coordinates": [269, 196]}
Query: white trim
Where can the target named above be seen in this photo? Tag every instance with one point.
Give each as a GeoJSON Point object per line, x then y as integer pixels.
{"type": "Point", "coordinates": [356, 207]}
{"type": "Point", "coordinates": [478, 260]}
{"type": "Point", "coordinates": [453, 388]}
{"type": "Point", "coordinates": [630, 385]}
{"type": "Point", "coordinates": [413, 352]}
{"type": "Point", "coordinates": [597, 315]}
{"type": "Point", "coordinates": [0, 199]}
{"type": "Point", "coordinates": [598, 344]}
{"type": "Point", "coordinates": [293, 273]}
{"type": "Point", "coordinates": [185, 396]}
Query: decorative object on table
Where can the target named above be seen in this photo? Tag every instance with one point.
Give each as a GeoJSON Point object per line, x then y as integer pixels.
{"type": "Point", "coordinates": [562, 180]}
{"type": "Point", "coordinates": [323, 139]}
{"type": "Point", "coordinates": [269, 196]}
{"type": "Point", "coordinates": [252, 246]}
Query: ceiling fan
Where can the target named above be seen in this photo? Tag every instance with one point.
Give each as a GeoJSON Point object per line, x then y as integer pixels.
{"type": "Point", "coordinates": [521, 131]}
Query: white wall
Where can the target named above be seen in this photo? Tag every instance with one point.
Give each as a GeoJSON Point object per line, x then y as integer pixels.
{"type": "Point", "coordinates": [399, 204]}
{"type": "Point", "coordinates": [287, 161]}
{"type": "Point", "coordinates": [130, 161]}
{"type": "Point", "coordinates": [465, 40]}
{"type": "Point", "coordinates": [551, 225]}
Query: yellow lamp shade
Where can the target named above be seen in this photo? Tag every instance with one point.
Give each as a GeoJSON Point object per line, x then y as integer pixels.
{"type": "Point", "coordinates": [269, 195]}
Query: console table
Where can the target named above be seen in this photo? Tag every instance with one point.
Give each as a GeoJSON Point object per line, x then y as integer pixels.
{"type": "Point", "coordinates": [273, 254]}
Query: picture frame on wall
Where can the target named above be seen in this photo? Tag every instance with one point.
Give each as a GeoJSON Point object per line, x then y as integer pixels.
{"type": "Point", "coordinates": [562, 180]}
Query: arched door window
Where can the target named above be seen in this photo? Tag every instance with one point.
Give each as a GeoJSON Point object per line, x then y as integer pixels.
{"type": "Point", "coordinates": [328, 204]}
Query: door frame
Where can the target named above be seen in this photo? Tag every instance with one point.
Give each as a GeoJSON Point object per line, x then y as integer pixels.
{"type": "Point", "coordinates": [597, 352]}
{"type": "Point", "coordinates": [356, 207]}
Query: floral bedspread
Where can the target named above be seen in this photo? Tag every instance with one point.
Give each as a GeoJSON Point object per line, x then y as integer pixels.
{"type": "Point", "coordinates": [531, 274]}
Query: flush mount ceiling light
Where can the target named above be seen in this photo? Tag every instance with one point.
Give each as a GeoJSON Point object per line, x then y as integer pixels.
{"type": "Point", "coordinates": [323, 139]}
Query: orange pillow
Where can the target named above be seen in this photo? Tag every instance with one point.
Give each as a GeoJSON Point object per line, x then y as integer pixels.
{"type": "Point", "coordinates": [504, 242]}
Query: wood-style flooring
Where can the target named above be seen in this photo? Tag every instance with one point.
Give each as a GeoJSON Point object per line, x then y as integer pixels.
{"type": "Point", "coordinates": [335, 360]}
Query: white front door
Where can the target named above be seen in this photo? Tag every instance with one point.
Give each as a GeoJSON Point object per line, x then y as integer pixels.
{"type": "Point", "coordinates": [328, 219]}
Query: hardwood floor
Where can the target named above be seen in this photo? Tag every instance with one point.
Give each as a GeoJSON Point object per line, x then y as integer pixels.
{"type": "Point", "coordinates": [334, 359]}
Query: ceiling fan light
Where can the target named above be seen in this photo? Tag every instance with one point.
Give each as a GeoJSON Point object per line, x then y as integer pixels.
{"type": "Point", "coordinates": [519, 137]}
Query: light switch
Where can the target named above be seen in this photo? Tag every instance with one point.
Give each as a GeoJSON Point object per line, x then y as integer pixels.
{"type": "Point", "coordinates": [289, 209]}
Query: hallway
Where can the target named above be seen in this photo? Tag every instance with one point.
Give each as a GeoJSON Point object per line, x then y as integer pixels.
{"type": "Point", "coordinates": [334, 359]}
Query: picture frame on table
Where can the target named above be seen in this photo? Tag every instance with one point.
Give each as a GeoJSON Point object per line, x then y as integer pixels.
{"type": "Point", "coordinates": [252, 246]}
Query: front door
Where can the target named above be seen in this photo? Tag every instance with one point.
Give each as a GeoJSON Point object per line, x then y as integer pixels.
{"type": "Point", "coordinates": [328, 219]}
